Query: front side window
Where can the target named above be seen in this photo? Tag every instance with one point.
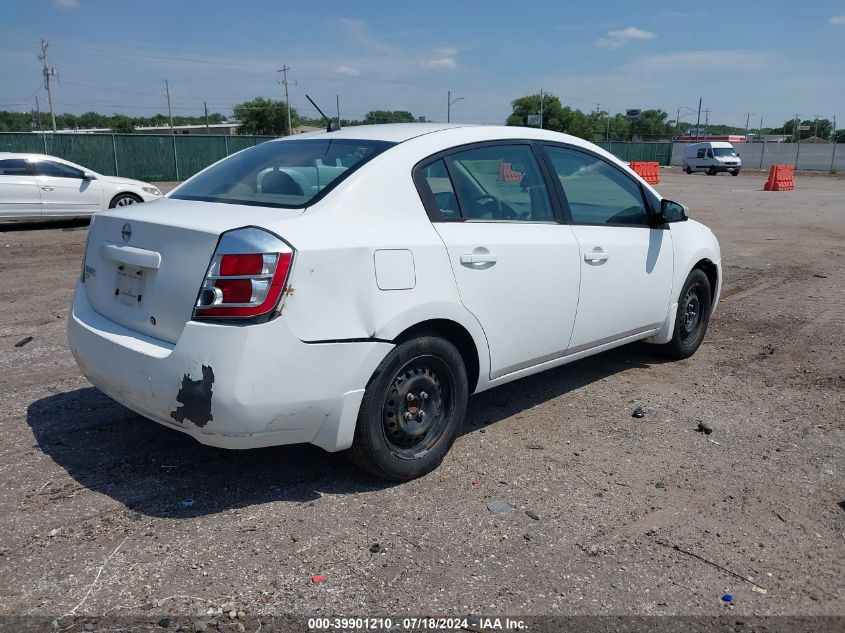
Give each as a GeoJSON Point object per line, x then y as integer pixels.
{"type": "Point", "coordinates": [288, 174]}
{"type": "Point", "coordinates": [14, 167]}
{"type": "Point", "coordinates": [597, 192]}
{"type": "Point", "coordinates": [57, 170]}
{"type": "Point", "coordinates": [500, 182]}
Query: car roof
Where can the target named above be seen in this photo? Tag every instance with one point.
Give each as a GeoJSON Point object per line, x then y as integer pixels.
{"type": "Point", "coordinates": [390, 132]}
{"type": "Point", "coordinates": [447, 134]}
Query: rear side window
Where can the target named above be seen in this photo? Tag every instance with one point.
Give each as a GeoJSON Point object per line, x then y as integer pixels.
{"type": "Point", "coordinates": [289, 174]}
{"type": "Point", "coordinates": [14, 167]}
{"type": "Point", "coordinates": [57, 170]}
{"type": "Point", "coordinates": [440, 185]}
{"type": "Point", "coordinates": [701, 153]}
{"type": "Point", "coordinates": [500, 182]}
{"type": "Point", "coordinates": [597, 192]}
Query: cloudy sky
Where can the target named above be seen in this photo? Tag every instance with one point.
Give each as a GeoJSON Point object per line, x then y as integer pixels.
{"type": "Point", "coordinates": [773, 59]}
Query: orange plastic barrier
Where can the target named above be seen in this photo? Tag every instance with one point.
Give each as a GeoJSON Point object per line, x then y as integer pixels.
{"type": "Point", "coordinates": [506, 174]}
{"type": "Point", "coordinates": [781, 178]}
{"type": "Point", "coordinates": [650, 171]}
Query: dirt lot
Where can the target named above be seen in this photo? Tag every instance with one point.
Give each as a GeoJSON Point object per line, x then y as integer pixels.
{"type": "Point", "coordinates": [102, 511]}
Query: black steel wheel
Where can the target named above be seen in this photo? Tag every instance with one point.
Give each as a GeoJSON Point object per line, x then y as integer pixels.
{"type": "Point", "coordinates": [711, 171]}
{"type": "Point", "coordinates": [693, 316]}
{"type": "Point", "coordinates": [412, 410]}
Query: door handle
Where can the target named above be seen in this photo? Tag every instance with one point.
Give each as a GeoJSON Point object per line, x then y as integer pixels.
{"type": "Point", "coordinates": [47, 188]}
{"type": "Point", "coordinates": [486, 258]}
{"type": "Point", "coordinates": [596, 256]}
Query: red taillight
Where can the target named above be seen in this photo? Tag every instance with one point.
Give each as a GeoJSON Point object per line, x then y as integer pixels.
{"type": "Point", "coordinates": [244, 284]}
{"type": "Point", "coordinates": [251, 264]}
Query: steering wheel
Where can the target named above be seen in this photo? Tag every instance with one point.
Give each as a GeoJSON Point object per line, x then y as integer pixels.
{"type": "Point", "coordinates": [499, 212]}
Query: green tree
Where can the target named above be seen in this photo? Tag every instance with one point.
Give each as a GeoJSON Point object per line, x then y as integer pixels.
{"type": "Point", "coordinates": [264, 116]}
{"type": "Point", "coordinates": [122, 124]}
{"type": "Point", "coordinates": [555, 116]}
{"type": "Point", "coordinates": [385, 116]}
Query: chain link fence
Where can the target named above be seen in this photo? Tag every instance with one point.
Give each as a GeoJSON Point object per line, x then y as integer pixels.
{"type": "Point", "coordinates": [149, 157]}
{"type": "Point", "coordinates": [162, 157]}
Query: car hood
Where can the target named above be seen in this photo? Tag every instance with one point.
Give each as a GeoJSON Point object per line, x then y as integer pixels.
{"type": "Point", "coordinates": [126, 182]}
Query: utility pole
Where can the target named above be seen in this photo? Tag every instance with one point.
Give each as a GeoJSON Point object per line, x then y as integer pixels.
{"type": "Point", "coordinates": [337, 99]}
{"type": "Point", "coordinates": [816, 127]}
{"type": "Point", "coordinates": [284, 70]}
{"type": "Point", "coordinates": [205, 107]}
{"type": "Point", "coordinates": [541, 109]}
{"type": "Point", "coordinates": [169, 111]}
{"type": "Point", "coordinates": [706, 121]}
{"type": "Point", "coordinates": [38, 112]}
{"type": "Point", "coordinates": [795, 131]}
{"type": "Point", "coordinates": [698, 121]}
{"type": "Point", "coordinates": [49, 72]}
{"type": "Point", "coordinates": [172, 133]}
{"type": "Point", "coordinates": [747, 119]}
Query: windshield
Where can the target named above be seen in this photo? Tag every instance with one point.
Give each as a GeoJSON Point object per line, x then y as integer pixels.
{"type": "Point", "coordinates": [724, 151]}
{"type": "Point", "coordinates": [289, 174]}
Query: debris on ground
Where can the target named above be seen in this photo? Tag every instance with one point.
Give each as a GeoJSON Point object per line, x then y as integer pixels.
{"type": "Point", "coordinates": [727, 598]}
{"type": "Point", "coordinates": [532, 515]}
{"type": "Point", "coordinates": [375, 548]}
{"type": "Point", "coordinates": [499, 507]}
{"type": "Point", "coordinates": [769, 382]}
{"type": "Point", "coordinates": [24, 341]}
{"type": "Point", "coordinates": [703, 427]}
{"type": "Point", "coordinates": [639, 412]}
{"type": "Point", "coordinates": [187, 503]}
{"type": "Point", "coordinates": [536, 447]}
{"type": "Point", "coordinates": [318, 579]}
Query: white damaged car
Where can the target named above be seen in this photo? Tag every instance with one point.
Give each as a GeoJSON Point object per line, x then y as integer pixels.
{"type": "Point", "coordinates": [352, 288]}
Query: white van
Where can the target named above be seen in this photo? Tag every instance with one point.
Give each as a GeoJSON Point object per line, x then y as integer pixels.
{"type": "Point", "coordinates": [711, 157]}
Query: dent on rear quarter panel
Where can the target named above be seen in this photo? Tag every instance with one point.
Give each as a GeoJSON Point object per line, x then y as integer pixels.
{"type": "Point", "coordinates": [195, 399]}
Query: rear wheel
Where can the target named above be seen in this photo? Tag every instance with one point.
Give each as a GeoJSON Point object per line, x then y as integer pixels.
{"type": "Point", "coordinates": [688, 169]}
{"type": "Point", "coordinates": [693, 315]}
{"type": "Point", "coordinates": [412, 410]}
{"type": "Point", "coordinates": [124, 200]}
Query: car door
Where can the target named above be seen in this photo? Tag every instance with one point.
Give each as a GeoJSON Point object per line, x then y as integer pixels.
{"type": "Point", "coordinates": [19, 193]}
{"type": "Point", "coordinates": [65, 191]}
{"type": "Point", "coordinates": [626, 263]}
{"type": "Point", "coordinates": [516, 266]}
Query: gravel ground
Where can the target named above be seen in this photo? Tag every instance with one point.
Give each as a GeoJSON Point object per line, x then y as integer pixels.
{"type": "Point", "coordinates": [102, 511]}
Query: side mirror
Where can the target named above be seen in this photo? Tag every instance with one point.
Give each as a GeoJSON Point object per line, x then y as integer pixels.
{"type": "Point", "coordinates": [672, 211]}
{"type": "Point", "coordinates": [87, 175]}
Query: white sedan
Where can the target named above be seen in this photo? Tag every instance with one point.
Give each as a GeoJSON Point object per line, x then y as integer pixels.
{"type": "Point", "coordinates": [40, 187]}
{"type": "Point", "coordinates": [352, 288]}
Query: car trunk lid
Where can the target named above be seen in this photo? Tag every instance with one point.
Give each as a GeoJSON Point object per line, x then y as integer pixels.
{"type": "Point", "coordinates": [144, 264]}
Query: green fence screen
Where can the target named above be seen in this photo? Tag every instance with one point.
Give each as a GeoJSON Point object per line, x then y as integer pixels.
{"type": "Point", "coordinates": [150, 157]}
{"type": "Point", "coordinates": [162, 157]}
{"type": "Point", "coordinates": [639, 151]}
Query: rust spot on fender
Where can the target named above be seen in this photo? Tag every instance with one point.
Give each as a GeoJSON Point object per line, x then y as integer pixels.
{"type": "Point", "coordinates": [195, 398]}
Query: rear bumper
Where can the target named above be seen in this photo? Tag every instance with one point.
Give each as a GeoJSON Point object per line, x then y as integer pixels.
{"type": "Point", "coordinates": [229, 386]}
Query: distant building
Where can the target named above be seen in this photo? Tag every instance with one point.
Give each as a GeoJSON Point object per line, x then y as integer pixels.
{"type": "Point", "coordinates": [219, 129]}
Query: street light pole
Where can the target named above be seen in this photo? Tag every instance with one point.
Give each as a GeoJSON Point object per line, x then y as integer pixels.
{"type": "Point", "coordinates": [449, 103]}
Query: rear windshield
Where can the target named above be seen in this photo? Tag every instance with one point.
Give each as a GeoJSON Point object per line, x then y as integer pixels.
{"type": "Point", "coordinates": [289, 174]}
{"type": "Point", "coordinates": [724, 151]}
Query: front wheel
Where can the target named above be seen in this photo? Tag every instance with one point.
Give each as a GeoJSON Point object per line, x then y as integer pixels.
{"type": "Point", "coordinates": [693, 315]}
{"type": "Point", "coordinates": [124, 200]}
{"type": "Point", "coordinates": [688, 169]}
{"type": "Point", "coordinates": [412, 410]}
{"type": "Point", "coordinates": [711, 171]}
{"type": "Point", "coordinates": [734, 173]}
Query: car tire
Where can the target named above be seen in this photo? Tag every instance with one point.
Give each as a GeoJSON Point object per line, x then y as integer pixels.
{"type": "Point", "coordinates": [692, 318]}
{"type": "Point", "coordinates": [124, 200]}
{"type": "Point", "coordinates": [688, 169]}
{"type": "Point", "coordinates": [734, 173]}
{"type": "Point", "coordinates": [711, 171]}
{"type": "Point", "coordinates": [412, 410]}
